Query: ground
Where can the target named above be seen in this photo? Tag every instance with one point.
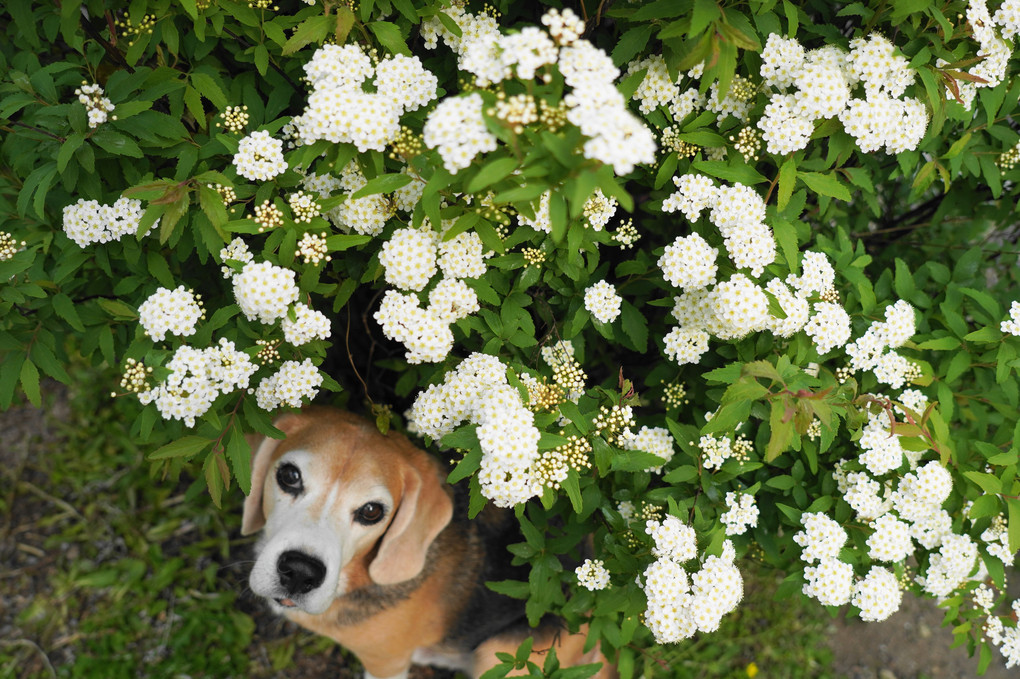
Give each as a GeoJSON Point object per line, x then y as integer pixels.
{"type": "Point", "coordinates": [67, 597]}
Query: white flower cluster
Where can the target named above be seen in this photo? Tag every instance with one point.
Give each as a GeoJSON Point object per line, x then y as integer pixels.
{"type": "Point", "coordinates": [655, 440]}
{"type": "Point", "coordinates": [457, 129]}
{"type": "Point", "coordinates": [868, 352]}
{"type": "Point", "coordinates": [599, 209]}
{"type": "Point", "coordinates": [197, 377]}
{"type": "Point", "coordinates": [542, 221]}
{"type": "Point", "coordinates": [410, 260]}
{"type": "Point", "coordinates": [602, 301]}
{"type": "Point", "coordinates": [341, 111]}
{"type": "Point", "coordinates": [737, 211]}
{"type": "Point", "coordinates": [477, 391]}
{"type": "Point", "coordinates": [679, 605]}
{"type": "Point", "coordinates": [831, 581]}
{"type": "Point", "coordinates": [994, 50]}
{"type": "Point", "coordinates": [741, 513]}
{"type": "Point", "coordinates": [259, 157]}
{"type": "Point", "coordinates": [822, 537]}
{"type": "Point", "coordinates": [615, 136]}
{"type": "Point", "coordinates": [1012, 326]}
{"type": "Point", "coordinates": [366, 215]}
{"type": "Point", "coordinates": [174, 311]}
{"type": "Point", "coordinates": [235, 251]}
{"type": "Point", "coordinates": [426, 336]}
{"type": "Point", "coordinates": [881, 450]}
{"type": "Point", "coordinates": [291, 385]}
{"type": "Point", "coordinates": [592, 575]}
{"type": "Point", "coordinates": [87, 221]}
{"type": "Point", "coordinates": [307, 325]}
{"type": "Point", "coordinates": [264, 291]}
{"type": "Point", "coordinates": [824, 81]}
{"type": "Point", "coordinates": [97, 105]}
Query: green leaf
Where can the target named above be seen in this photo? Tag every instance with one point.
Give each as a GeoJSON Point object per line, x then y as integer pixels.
{"type": "Point", "coordinates": [30, 383]}
{"type": "Point", "coordinates": [239, 453]}
{"type": "Point", "coordinates": [1013, 529]}
{"type": "Point", "coordinates": [787, 180]}
{"type": "Point", "coordinates": [632, 42]}
{"type": "Point", "coordinates": [722, 169]}
{"type": "Point", "coordinates": [67, 150]}
{"type": "Point", "coordinates": [313, 29]}
{"type": "Point", "coordinates": [210, 89]}
{"type": "Point", "coordinates": [389, 36]}
{"type": "Point", "coordinates": [187, 446]}
{"type": "Point", "coordinates": [384, 183]}
{"type": "Point", "coordinates": [703, 14]}
{"type": "Point", "coordinates": [571, 487]}
{"type": "Point", "coordinates": [65, 308]}
{"type": "Point", "coordinates": [490, 173]}
{"type": "Point", "coordinates": [825, 184]}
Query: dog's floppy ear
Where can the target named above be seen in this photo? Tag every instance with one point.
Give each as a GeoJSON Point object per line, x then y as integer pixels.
{"type": "Point", "coordinates": [253, 517]}
{"type": "Point", "coordinates": [425, 510]}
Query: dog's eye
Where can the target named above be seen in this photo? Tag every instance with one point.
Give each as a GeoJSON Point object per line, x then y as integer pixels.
{"type": "Point", "coordinates": [289, 478]}
{"type": "Point", "coordinates": [369, 513]}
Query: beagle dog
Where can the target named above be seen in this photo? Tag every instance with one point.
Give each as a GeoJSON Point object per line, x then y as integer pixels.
{"type": "Point", "coordinates": [364, 542]}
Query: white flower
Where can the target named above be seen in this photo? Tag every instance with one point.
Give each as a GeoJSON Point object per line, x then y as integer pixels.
{"type": "Point", "coordinates": [197, 377]}
{"type": "Point", "coordinates": [829, 328]}
{"type": "Point", "coordinates": [308, 324]}
{"type": "Point", "coordinates": [97, 105]}
{"type": "Point", "coordinates": [673, 540]}
{"type": "Point", "coordinates": [831, 581]}
{"type": "Point", "coordinates": [741, 513]}
{"type": "Point", "coordinates": [602, 301]}
{"type": "Point", "coordinates": [235, 251]}
{"type": "Point", "coordinates": [592, 575]}
{"type": "Point", "coordinates": [689, 263]}
{"type": "Point", "coordinates": [409, 258]}
{"type": "Point", "coordinates": [293, 385]}
{"type": "Point", "coordinates": [878, 595]}
{"type": "Point", "coordinates": [259, 157]}
{"type": "Point", "coordinates": [686, 345]}
{"type": "Point", "coordinates": [654, 440]}
{"type": "Point", "coordinates": [463, 256]}
{"type": "Point", "coordinates": [455, 127]}
{"type": "Point", "coordinates": [822, 538]}
{"type": "Point", "coordinates": [891, 540]}
{"type": "Point", "coordinates": [87, 222]}
{"type": "Point", "coordinates": [452, 300]}
{"type": "Point", "coordinates": [174, 311]}
{"type": "Point", "coordinates": [264, 292]}
{"type": "Point", "coordinates": [426, 336]}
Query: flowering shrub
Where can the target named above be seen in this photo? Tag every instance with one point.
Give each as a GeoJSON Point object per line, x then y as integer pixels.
{"type": "Point", "coordinates": [702, 282]}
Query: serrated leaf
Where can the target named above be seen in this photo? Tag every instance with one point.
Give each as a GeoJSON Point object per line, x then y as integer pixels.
{"type": "Point", "coordinates": [239, 454]}
{"type": "Point", "coordinates": [825, 184]}
{"type": "Point", "coordinates": [65, 308]}
{"type": "Point", "coordinates": [183, 447]}
{"type": "Point", "coordinates": [210, 89]}
{"type": "Point", "coordinates": [30, 383]}
{"type": "Point", "coordinates": [389, 36]}
{"type": "Point", "coordinates": [491, 173]}
{"type": "Point", "coordinates": [67, 149]}
{"type": "Point", "coordinates": [384, 183]}
{"type": "Point", "coordinates": [313, 29]}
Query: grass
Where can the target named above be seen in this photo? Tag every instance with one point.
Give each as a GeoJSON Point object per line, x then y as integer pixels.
{"type": "Point", "coordinates": [109, 572]}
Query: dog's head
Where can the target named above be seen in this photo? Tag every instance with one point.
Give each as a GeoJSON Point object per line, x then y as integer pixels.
{"type": "Point", "coordinates": [336, 498]}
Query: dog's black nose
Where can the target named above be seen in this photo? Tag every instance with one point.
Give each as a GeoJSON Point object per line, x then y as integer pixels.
{"type": "Point", "coordinates": [300, 573]}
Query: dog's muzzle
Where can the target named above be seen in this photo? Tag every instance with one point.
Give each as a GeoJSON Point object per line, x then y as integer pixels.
{"type": "Point", "coordinates": [299, 573]}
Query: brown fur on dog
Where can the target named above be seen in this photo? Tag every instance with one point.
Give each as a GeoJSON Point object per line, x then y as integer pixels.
{"type": "Point", "coordinates": [408, 588]}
